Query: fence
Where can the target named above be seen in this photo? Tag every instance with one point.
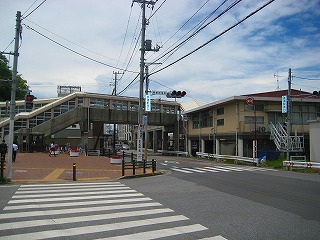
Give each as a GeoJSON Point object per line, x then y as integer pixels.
{"type": "Point", "coordinates": [291, 164]}
{"type": "Point", "coordinates": [228, 157]}
{"type": "Point", "coordinates": [134, 164]}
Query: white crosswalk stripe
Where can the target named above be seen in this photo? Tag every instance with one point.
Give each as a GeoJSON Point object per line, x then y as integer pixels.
{"type": "Point", "coordinates": [94, 210]}
{"type": "Point", "coordinates": [217, 169]}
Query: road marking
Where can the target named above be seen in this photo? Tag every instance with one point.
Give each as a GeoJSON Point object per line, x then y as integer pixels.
{"type": "Point", "coordinates": [75, 198]}
{"type": "Point", "coordinates": [73, 204]}
{"type": "Point", "coordinates": [73, 194]}
{"type": "Point", "coordinates": [160, 233]}
{"type": "Point", "coordinates": [56, 221]}
{"type": "Point", "coordinates": [36, 214]}
{"type": "Point", "coordinates": [54, 174]}
{"type": "Point", "coordinates": [180, 170]}
{"type": "Point", "coordinates": [96, 228]}
{"type": "Point", "coordinates": [77, 210]}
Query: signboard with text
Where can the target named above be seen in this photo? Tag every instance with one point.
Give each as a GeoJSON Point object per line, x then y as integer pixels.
{"type": "Point", "coordinates": [284, 105]}
{"type": "Point", "coordinates": [140, 143]}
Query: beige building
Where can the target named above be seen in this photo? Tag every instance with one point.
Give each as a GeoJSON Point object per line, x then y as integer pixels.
{"type": "Point", "coordinates": [231, 126]}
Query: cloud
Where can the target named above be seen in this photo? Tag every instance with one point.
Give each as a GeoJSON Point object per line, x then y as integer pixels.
{"type": "Point", "coordinates": [242, 61]}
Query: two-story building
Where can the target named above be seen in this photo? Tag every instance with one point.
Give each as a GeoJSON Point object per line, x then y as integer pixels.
{"type": "Point", "coordinates": [233, 125]}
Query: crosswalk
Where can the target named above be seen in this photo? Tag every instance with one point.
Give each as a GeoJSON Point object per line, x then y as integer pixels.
{"type": "Point", "coordinates": [105, 210]}
{"type": "Point", "coordinates": [217, 169]}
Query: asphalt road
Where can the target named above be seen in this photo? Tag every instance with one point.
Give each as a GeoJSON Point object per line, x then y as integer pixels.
{"type": "Point", "coordinates": [192, 200]}
{"type": "Point", "coordinates": [238, 202]}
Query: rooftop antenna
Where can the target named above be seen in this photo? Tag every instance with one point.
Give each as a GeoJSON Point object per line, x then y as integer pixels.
{"type": "Point", "coordinates": [277, 76]}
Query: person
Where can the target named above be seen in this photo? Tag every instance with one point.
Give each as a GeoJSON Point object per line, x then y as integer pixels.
{"type": "Point", "coordinates": [52, 150]}
{"type": "Point", "coordinates": [14, 151]}
{"type": "Point", "coordinates": [3, 150]}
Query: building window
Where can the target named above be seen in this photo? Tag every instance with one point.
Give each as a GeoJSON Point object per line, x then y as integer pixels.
{"type": "Point", "coordinates": [249, 108]}
{"type": "Point", "coordinates": [220, 111]}
{"type": "Point", "coordinates": [220, 122]}
{"type": "Point", "coordinates": [250, 119]}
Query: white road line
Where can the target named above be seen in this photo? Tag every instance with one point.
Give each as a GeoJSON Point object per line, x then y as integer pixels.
{"type": "Point", "coordinates": [229, 168]}
{"type": "Point", "coordinates": [73, 203]}
{"type": "Point", "coordinates": [168, 232]}
{"type": "Point", "coordinates": [207, 169]}
{"type": "Point", "coordinates": [180, 170]}
{"type": "Point", "coordinates": [56, 221]}
{"type": "Point", "coordinates": [78, 198]}
{"type": "Point", "coordinates": [193, 170]}
{"type": "Point", "coordinates": [96, 228]}
{"type": "Point", "coordinates": [48, 191]}
{"type": "Point", "coordinates": [73, 194]}
{"type": "Point", "coordinates": [77, 210]}
{"type": "Point", "coordinates": [69, 184]}
{"type": "Point", "coordinates": [219, 169]}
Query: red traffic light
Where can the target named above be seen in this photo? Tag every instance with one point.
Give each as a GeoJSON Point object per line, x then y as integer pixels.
{"type": "Point", "coordinates": [29, 98]}
{"type": "Point", "coordinates": [29, 101]}
{"type": "Point", "coordinates": [176, 94]}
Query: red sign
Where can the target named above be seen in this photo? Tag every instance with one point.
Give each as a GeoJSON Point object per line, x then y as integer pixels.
{"type": "Point", "coordinates": [249, 100]}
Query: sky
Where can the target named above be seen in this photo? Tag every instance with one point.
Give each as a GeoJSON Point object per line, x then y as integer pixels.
{"type": "Point", "coordinates": [84, 43]}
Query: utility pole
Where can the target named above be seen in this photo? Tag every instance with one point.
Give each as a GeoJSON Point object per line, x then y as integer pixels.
{"type": "Point", "coordinates": [289, 115]}
{"type": "Point", "coordinates": [115, 94]}
{"type": "Point", "coordinates": [13, 94]}
{"type": "Point", "coordinates": [142, 66]}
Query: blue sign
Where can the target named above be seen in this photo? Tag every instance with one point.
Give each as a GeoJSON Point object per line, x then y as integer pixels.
{"type": "Point", "coordinates": [284, 104]}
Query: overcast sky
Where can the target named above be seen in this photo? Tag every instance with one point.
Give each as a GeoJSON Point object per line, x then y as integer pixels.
{"type": "Point", "coordinates": [244, 60]}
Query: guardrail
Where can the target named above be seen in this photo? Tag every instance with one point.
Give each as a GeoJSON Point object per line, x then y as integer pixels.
{"type": "Point", "coordinates": [228, 157]}
{"type": "Point", "coordinates": [177, 153]}
{"type": "Point", "coordinates": [291, 164]}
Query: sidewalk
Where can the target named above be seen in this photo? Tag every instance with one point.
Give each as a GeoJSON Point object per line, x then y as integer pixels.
{"type": "Point", "coordinates": [40, 167]}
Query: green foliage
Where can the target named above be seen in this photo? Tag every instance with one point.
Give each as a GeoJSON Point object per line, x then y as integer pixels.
{"type": "Point", "coordinates": [5, 82]}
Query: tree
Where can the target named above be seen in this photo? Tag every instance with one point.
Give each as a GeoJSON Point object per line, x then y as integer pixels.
{"type": "Point", "coordinates": [6, 82]}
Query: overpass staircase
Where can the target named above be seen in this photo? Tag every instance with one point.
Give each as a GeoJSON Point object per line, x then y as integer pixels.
{"type": "Point", "coordinates": [293, 143]}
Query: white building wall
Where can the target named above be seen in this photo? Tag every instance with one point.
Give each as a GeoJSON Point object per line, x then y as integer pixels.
{"type": "Point", "coordinates": [314, 133]}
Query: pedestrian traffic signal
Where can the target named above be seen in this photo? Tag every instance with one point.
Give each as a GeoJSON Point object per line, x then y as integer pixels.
{"type": "Point", "coordinates": [317, 93]}
{"type": "Point", "coordinates": [176, 94]}
{"type": "Point", "coordinates": [29, 101]}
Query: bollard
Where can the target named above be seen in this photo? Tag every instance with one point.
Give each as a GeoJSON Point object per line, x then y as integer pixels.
{"type": "Point", "coordinates": [134, 167]}
{"type": "Point", "coordinates": [144, 166]}
{"type": "Point", "coordinates": [154, 165]}
{"type": "Point", "coordinates": [123, 166]}
{"type": "Point", "coordinates": [2, 168]}
{"type": "Point", "coordinates": [74, 172]}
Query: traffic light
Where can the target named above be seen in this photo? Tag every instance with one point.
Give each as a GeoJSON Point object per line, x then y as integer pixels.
{"type": "Point", "coordinates": [176, 94]}
{"type": "Point", "coordinates": [317, 93]}
{"type": "Point", "coordinates": [29, 101]}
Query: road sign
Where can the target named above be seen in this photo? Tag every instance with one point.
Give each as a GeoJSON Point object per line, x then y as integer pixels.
{"type": "Point", "coordinates": [284, 108]}
{"type": "Point", "coordinates": [148, 103]}
{"type": "Point", "coordinates": [249, 100]}
{"type": "Point", "coordinates": [140, 143]}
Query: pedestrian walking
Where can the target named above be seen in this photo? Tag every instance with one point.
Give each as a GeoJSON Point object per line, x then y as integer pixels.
{"type": "Point", "coordinates": [14, 151]}
{"type": "Point", "coordinates": [3, 150]}
{"type": "Point", "coordinates": [52, 149]}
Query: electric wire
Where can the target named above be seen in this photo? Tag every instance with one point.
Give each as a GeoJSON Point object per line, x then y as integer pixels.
{"type": "Point", "coordinates": [75, 52]}
{"type": "Point", "coordinates": [34, 9]}
{"type": "Point", "coordinates": [7, 46]}
{"type": "Point", "coordinates": [69, 41]}
{"type": "Point", "coordinates": [198, 30]}
{"type": "Point", "coordinates": [310, 79]}
{"type": "Point", "coordinates": [216, 37]}
{"type": "Point", "coordinates": [183, 25]}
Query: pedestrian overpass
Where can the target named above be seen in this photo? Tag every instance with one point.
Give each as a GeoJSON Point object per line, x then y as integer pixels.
{"type": "Point", "coordinates": [53, 115]}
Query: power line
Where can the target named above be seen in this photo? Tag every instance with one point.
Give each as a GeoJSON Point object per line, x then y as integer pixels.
{"type": "Point", "coordinates": [197, 29]}
{"type": "Point", "coordinates": [34, 9]}
{"type": "Point", "coordinates": [310, 79]}
{"type": "Point", "coordinates": [71, 50]}
{"type": "Point", "coordinates": [225, 31]}
{"type": "Point", "coordinates": [65, 39]}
